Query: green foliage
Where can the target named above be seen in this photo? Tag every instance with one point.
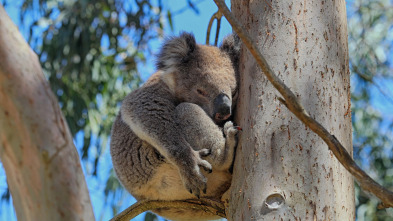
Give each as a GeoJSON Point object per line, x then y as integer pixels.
{"type": "Point", "coordinates": [370, 46]}
{"type": "Point", "coordinates": [89, 51]}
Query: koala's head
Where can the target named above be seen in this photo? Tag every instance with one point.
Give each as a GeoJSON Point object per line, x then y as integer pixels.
{"type": "Point", "coordinates": [200, 74]}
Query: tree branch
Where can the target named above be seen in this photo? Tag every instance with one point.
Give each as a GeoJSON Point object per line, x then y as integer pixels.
{"type": "Point", "coordinates": [207, 205]}
{"type": "Point", "coordinates": [36, 149]}
{"type": "Point", "coordinates": [292, 103]}
{"type": "Point", "coordinates": [216, 16]}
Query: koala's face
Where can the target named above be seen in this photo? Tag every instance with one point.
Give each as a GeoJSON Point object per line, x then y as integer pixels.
{"type": "Point", "coordinates": [208, 80]}
{"type": "Point", "coordinates": [199, 74]}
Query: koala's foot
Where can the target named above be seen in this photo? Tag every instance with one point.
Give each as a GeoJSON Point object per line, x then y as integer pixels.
{"type": "Point", "coordinates": [227, 155]}
{"type": "Point", "coordinates": [190, 172]}
{"type": "Point", "coordinates": [230, 130]}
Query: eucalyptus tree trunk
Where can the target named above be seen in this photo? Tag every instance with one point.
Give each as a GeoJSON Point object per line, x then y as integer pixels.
{"type": "Point", "coordinates": [283, 171]}
{"type": "Point", "coordinates": [37, 151]}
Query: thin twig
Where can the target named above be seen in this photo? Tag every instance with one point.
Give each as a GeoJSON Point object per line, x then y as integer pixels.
{"type": "Point", "coordinates": [218, 28]}
{"type": "Point", "coordinates": [185, 8]}
{"type": "Point", "coordinates": [207, 205]}
{"type": "Point", "coordinates": [216, 16]}
{"type": "Point", "coordinates": [371, 80]}
{"type": "Point", "coordinates": [292, 103]}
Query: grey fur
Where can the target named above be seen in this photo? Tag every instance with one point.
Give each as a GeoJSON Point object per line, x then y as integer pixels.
{"type": "Point", "coordinates": [167, 129]}
{"type": "Point", "coordinates": [176, 51]}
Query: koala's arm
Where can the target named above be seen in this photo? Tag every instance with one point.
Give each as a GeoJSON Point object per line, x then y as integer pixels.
{"type": "Point", "coordinates": [150, 113]}
{"type": "Point", "coordinates": [201, 132]}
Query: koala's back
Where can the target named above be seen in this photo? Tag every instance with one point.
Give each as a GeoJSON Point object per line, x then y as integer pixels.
{"type": "Point", "coordinates": [134, 160]}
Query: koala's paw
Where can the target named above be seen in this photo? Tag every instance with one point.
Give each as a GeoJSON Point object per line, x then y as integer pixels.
{"type": "Point", "coordinates": [230, 130]}
{"type": "Point", "coordinates": [192, 177]}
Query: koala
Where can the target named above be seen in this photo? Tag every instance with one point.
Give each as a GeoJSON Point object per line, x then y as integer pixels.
{"type": "Point", "coordinates": [177, 123]}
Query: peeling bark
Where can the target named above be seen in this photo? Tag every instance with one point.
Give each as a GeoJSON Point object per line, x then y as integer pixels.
{"type": "Point", "coordinates": [282, 169]}
{"type": "Point", "coordinates": [41, 163]}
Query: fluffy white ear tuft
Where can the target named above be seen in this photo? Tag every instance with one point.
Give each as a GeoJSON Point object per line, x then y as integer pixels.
{"type": "Point", "coordinates": [168, 77]}
{"type": "Point", "coordinates": [176, 51]}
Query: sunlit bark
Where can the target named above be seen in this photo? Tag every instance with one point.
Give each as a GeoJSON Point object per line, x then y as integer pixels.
{"type": "Point", "coordinates": [41, 163]}
{"type": "Point", "coordinates": [282, 169]}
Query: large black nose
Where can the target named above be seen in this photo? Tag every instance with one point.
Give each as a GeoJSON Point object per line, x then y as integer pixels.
{"type": "Point", "coordinates": [222, 107]}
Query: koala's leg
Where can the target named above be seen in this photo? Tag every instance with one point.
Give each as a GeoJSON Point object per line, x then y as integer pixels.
{"type": "Point", "coordinates": [201, 132]}
{"type": "Point", "coordinates": [150, 113]}
{"type": "Point", "coordinates": [230, 132]}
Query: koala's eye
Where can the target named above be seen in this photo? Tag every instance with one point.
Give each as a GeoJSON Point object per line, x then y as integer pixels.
{"type": "Point", "coordinates": [202, 92]}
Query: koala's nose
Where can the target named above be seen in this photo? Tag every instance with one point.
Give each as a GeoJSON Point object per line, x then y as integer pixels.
{"type": "Point", "coordinates": [222, 107]}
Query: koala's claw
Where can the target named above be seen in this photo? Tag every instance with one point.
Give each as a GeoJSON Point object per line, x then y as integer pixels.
{"type": "Point", "coordinates": [206, 166]}
{"type": "Point", "coordinates": [195, 185]}
{"type": "Point", "coordinates": [230, 129]}
{"type": "Point", "coordinates": [204, 152]}
{"type": "Point", "coordinates": [195, 189]}
{"type": "Point", "coordinates": [193, 179]}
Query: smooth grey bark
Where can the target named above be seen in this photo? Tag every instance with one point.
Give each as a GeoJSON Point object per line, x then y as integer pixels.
{"type": "Point", "coordinates": [282, 169]}
{"type": "Point", "coordinates": [37, 151]}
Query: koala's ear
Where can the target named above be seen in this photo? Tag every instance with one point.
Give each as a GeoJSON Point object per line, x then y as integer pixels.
{"type": "Point", "coordinates": [176, 51]}
{"type": "Point", "coordinates": [232, 45]}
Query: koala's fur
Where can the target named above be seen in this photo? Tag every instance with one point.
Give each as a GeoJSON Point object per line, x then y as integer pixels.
{"type": "Point", "coordinates": [167, 129]}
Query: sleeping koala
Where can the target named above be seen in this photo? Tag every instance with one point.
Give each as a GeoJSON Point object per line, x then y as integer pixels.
{"type": "Point", "coordinates": [168, 129]}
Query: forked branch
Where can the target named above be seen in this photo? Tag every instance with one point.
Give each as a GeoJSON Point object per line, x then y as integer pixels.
{"type": "Point", "coordinates": [216, 16]}
{"type": "Point", "coordinates": [292, 103]}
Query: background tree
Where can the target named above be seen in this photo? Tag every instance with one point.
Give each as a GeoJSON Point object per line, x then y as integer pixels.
{"type": "Point", "coordinates": [370, 52]}
{"type": "Point", "coordinates": [42, 164]}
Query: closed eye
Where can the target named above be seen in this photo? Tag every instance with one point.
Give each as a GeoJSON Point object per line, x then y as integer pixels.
{"type": "Point", "coordinates": [202, 92]}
